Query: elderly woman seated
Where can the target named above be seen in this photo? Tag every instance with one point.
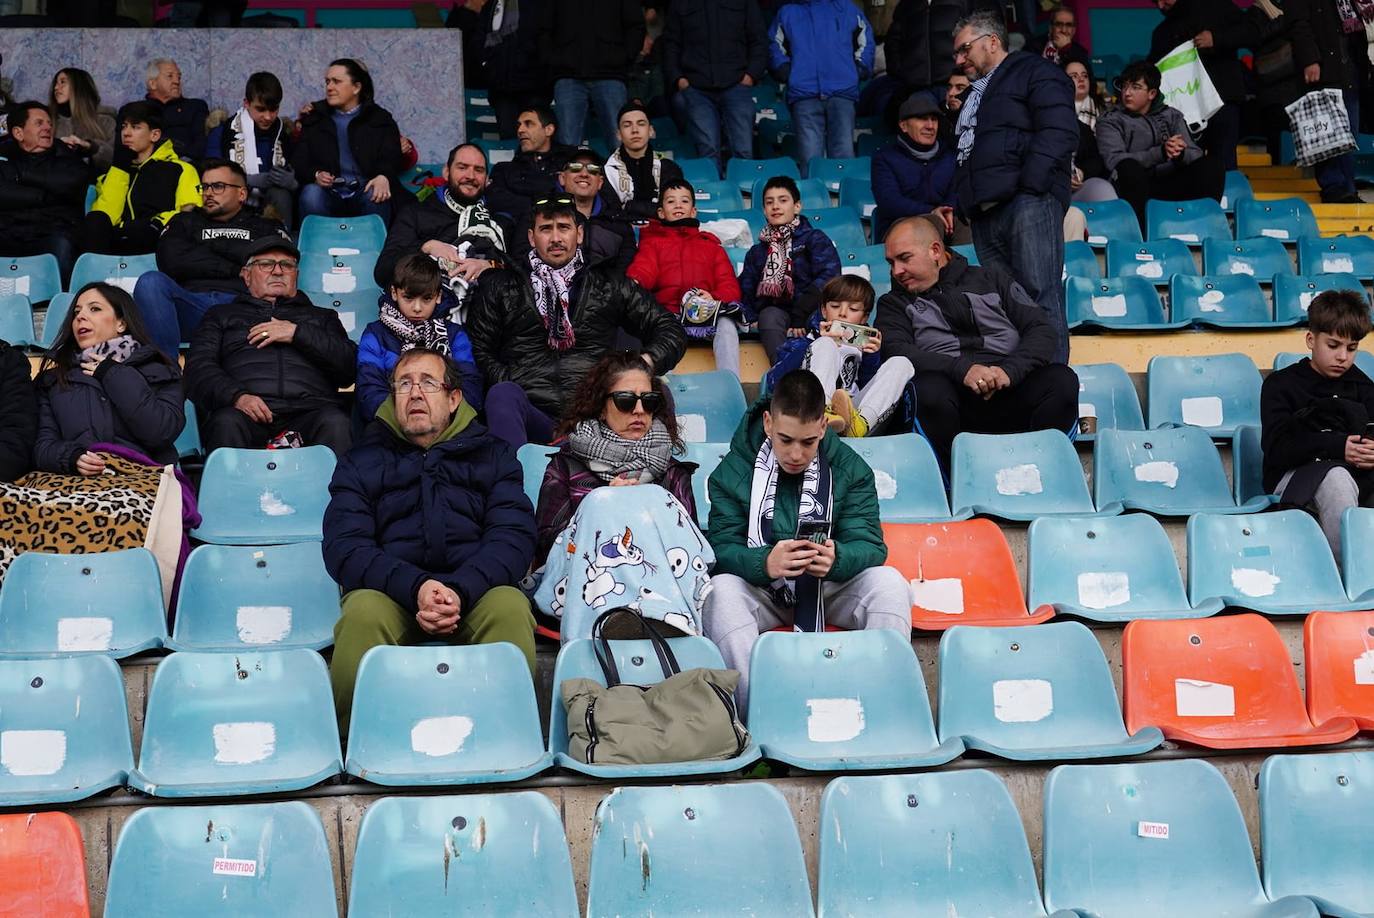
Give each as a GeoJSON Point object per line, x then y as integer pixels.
{"type": "Point", "coordinates": [616, 517]}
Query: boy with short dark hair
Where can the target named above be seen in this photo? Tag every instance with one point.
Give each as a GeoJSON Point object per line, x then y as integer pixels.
{"type": "Point", "coordinates": [260, 142]}
{"type": "Point", "coordinates": [1318, 448]}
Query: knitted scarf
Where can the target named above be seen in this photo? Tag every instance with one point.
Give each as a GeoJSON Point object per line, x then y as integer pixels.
{"type": "Point", "coordinates": [621, 171]}
{"type": "Point", "coordinates": [118, 349]}
{"type": "Point", "coordinates": [803, 593]}
{"type": "Point", "coordinates": [430, 333]}
{"type": "Point", "coordinates": [609, 455]}
{"type": "Point", "coordinates": [1355, 14]}
{"type": "Point", "coordinates": [243, 146]}
{"type": "Point", "coordinates": [474, 220]}
{"type": "Point", "coordinates": [776, 281]}
{"type": "Point", "coordinates": [551, 298]}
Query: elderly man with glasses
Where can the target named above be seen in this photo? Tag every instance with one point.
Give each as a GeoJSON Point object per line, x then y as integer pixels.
{"type": "Point", "coordinates": [266, 367]}
{"type": "Point", "coordinates": [200, 256]}
{"type": "Point", "coordinates": [428, 528]}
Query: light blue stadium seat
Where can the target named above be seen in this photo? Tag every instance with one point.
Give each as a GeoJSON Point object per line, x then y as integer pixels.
{"type": "Point", "coordinates": [842, 225]}
{"type": "Point", "coordinates": [814, 194]}
{"type": "Point", "coordinates": [445, 715]}
{"type": "Point", "coordinates": [534, 460]}
{"type": "Point", "coordinates": [1272, 563]}
{"type": "Point", "coordinates": [707, 456]}
{"type": "Point", "coordinates": [264, 497]}
{"type": "Point", "coordinates": [64, 729]}
{"type": "Point", "coordinates": [910, 487]}
{"type": "Point", "coordinates": [637, 665]}
{"type": "Point", "coordinates": [104, 602]}
{"type": "Point", "coordinates": [715, 196]}
{"type": "Point", "coordinates": [1106, 392]}
{"type": "Point", "coordinates": [255, 597]}
{"type": "Point", "coordinates": [120, 270]}
{"type": "Point", "coordinates": [504, 854]}
{"type": "Point", "coordinates": [188, 441]}
{"type": "Point", "coordinates": [1285, 219]}
{"type": "Point", "coordinates": [498, 151]}
{"type": "Point", "coordinates": [969, 252]}
{"type": "Point", "coordinates": [1315, 813]}
{"type": "Point", "coordinates": [709, 405]}
{"type": "Point", "coordinates": [1189, 222]}
{"type": "Point", "coordinates": [1156, 261]}
{"type": "Point", "coordinates": [1236, 189]}
{"type": "Point", "coordinates": [222, 724]}
{"type": "Point", "coordinates": [1110, 221]}
{"type": "Point", "coordinates": [699, 170]}
{"type": "Point", "coordinates": [870, 144]}
{"type": "Point", "coordinates": [321, 234]}
{"type": "Point", "coordinates": [833, 172]}
{"type": "Point", "coordinates": [1106, 852]}
{"type": "Point", "coordinates": [331, 275]}
{"type": "Point", "coordinates": [1363, 359]}
{"type": "Point", "coordinates": [1113, 569]}
{"type": "Point", "coordinates": [1217, 393]}
{"type": "Point", "coordinates": [270, 860]}
{"type": "Point", "coordinates": [712, 223]}
{"type": "Point", "coordinates": [1357, 540]}
{"type": "Point", "coordinates": [355, 309]}
{"type": "Point", "coordinates": [1017, 476]}
{"type": "Point", "coordinates": [871, 266]}
{"type": "Point", "coordinates": [53, 319]}
{"type": "Point", "coordinates": [1247, 465]}
{"type": "Point", "coordinates": [1260, 258]}
{"type": "Point", "coordinates": [1171, 471]}
{"type": "Point", "coordinates": [843, 701]}
{"type": "Point", "coordinates": [745, 172]}
{"type": "Point", "coordinates": [34, 276]}
{"type": "Point", "coordinates": [1114, 302]}
{"type": "Point", "coordinates": [1337, 255]}
{"type": "Point", "coordinates": [1294, 293]}
{"type": "Point", "coordinates": [737, 256]}
{"type": "Point", "coordinates": [665, 129]}
{"type": "Point", "coordinates": [887, 847]}
{"type": "Point", "coordinates": [858, 194]}
{"type": "Point", "coordinates": [1221, 301]}
{"type": "Point", "coordinates": [1032, 693]}
{"type": "Point", "coordinates": [16, 320]}
{"type": "Point", "coordinates": [1080, 261]}
{"type": "Point", "coordinates": [702, 849]}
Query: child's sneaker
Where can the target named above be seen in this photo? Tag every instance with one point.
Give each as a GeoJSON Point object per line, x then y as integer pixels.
{"type": "Point", "coordinates": [858, 425]}
{"type": "Point", "coordinates": [837, 413]}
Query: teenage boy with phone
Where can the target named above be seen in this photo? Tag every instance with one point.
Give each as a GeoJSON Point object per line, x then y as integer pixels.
{"type": "Point", "coordinates": [787, 474]}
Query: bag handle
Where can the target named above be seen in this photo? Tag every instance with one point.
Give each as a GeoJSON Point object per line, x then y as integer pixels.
{"type": "Point", "coordinates": [601, 645]}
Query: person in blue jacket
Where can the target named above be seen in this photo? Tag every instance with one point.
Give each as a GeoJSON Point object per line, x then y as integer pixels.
{"type": "Point", "coordinates": [914, 174]}
{"type": "Point", "coordinates": [416, 312]}
{"type": "Point", "coordinates": [783, 273]}
{"type": "Point", "coordinates": [821, 49]}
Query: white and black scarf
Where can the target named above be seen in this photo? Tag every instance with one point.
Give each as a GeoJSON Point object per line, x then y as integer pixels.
{"type": "Point", "coordinates": [610, 455]}
{"type": "Point", "coordinates": [118, 349]}
{"type": "Point", "coordinates": [474, 220]}
{"type": "Point", "coordinates": [551, 298]}
{"type": "Point", "coordinates": [618, 174]}
{"type": "Point", "coordinates": [243, 147]}
{"type": "Point", "coordinates": [803, 594]}
{"type": "Point", "coordinates": [431, 333]}
{"type": "Point", "coordinates": [776, 280]}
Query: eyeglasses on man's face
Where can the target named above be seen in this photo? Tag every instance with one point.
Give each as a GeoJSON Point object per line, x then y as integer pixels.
{"type": "Point", "coordinates": [962, 50]}
{"type": "Point", "coordinates": [216, 187]}
{"type": "Point", "coordinates": [273, 265]}
{"type": "Point", "coordinates": [426, 384]}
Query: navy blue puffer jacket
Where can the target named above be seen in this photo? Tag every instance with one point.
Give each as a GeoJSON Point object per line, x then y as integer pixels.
{"type": "Point", "coordinates": [814, 261]}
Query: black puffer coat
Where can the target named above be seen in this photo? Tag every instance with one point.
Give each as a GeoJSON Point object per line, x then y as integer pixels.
{"type": "Point", "coordinates": [373, 135]}
{"type": "Point", "coordinates": [18, 413]}
{"type": "Point", "coordinates": [40, 192]}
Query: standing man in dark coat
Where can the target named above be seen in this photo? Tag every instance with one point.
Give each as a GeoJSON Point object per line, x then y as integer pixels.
{"type": "Point", "coordinates": [506, 34]}
{"type": "Point", "coordinates": [590, 46]}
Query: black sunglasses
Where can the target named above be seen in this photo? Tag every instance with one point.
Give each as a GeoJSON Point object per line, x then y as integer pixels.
{"type": "Point", "coordinates": [625, 401]}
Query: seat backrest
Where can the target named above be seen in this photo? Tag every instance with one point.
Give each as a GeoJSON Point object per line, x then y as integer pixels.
{"type": "Point", "coordinates": [54, 318]}
{"type": "Point", "coordinates": [1169, 471]}
{"type": "Point", "coordinates": [906, 476]}
{"type": "Point", "coordinates": [1233, 300]}
{"type": "Point", "coordinates": [1338, 654]}
{"type": "Point", "coordinates": [262, 496]}
{"type": "Point", "coordinates": [969, 251]}
{"type": "Point", "coordinates": [1247, 465]}
{"type": "Point", "coordinates": [1217, 392]}
{"type": "Point", "coordinates": [64, 733]}
{"type": "Point", "coordinates": [1357, 537]}
{"type": "Point", "coordinates": [1109, 569]}
{"type": "Point", "coordinates": [698, 170]}
{"type": "Point", "coordinates": [664, 849]}
{"type": "Point", "coordinates": [1017, 476]}
{"type": "Point", "coordinates": [709, 405]}
{"type": "Point", "coordinates": [1293, 293]}
{"type": "Point", "coordinates": [886, 847]}
{"type": "Point", "coordinates": [1187, 221]}
{"type": "Point", "coordinates": [834, 171]}
{"type": "Point", "coordinates": [325, 234]}
{"type": "Point", "coordinates": [1258, 257]}
{"type": "Point", "coordinates": [534, 461]}
{"type": "Point", "coordinates": [16, 320]}
{"type": "Point", "coordinates": [431, 715]}
{"type": "Point", "coordinates": [1315, 813]}
{"type": "Point", "coordinates": [235, 597]}
{"type": "Point", "coordinates": [268, 859]}
{"type": "Point", "coordinates": [858, 194]}
{"type": "Point", "coordinates": [1236, 188]}
{"type": "Point", "coordinates": [63, 604]}
{"type": "Point", "coordinates": [707, 456]}
{"type": "Point", "coordinates": [188, 441]}
{"type": "Point", "coordinates": [745, 172]}
{"type": "Point", "coordinates": [716, 196]}
{"type": "Point", "coordinates": [122, 271]}
{"type": "Point", "coordinates": [1146, 839]}
{"type": "Point", "coordinates": [1336, 255]}
{"type": "Point", "coordinates": [34, 276]}
{"type": "Point", "coordinates": [1156, 261]}
{"type": "Point", "coordinates": [346, 272]}
{"type": "Point", "coordinates": [1268, 562]}
{"type": "Point", "coordinates": [1284, 219]}
{"type": "Point", "coordinates": [1080, 260]}
{"type": "Point", "coordinates": [1114, 302]}
{"type": "Point", "coordinates": [814, 194]}
{"type": "Point", "coordinates": [485, 842]}
{"type": "Point", "coordinates": [42, 866]}
{"type": "Point", "coordinates": [1109, 221]}
{"type": "Point", "coordinates": [355, 309]}
{"type": "Point", "coordinates": [1106, 392]}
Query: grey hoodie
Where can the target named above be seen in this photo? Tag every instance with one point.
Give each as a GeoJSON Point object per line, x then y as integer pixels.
{"type": "Point", "coordinates": [1122, 135]}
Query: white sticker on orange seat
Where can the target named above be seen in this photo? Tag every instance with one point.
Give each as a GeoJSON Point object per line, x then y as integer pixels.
{"type": "Point", "coordinates": [1199, 698]}
{"type": "Point", "coordinates": [1364, 668]}
{"type": "Point", "coordinates": [944, 595]}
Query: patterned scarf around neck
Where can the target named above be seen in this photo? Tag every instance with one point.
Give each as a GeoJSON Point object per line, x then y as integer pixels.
{"type": "Point", "coordinates": [551, 298]}
{"type": "Point", "coordinates": [620, 169]}
{"type": "Point", "coordinates": [776, 281]}
{"type": "Point", "coordinates": [967, 125]}
{"type": "Point", "coordinates": [475, 220]}
{"type": "Point", "coordinates": [609, 455]}
{"type": "Point", "coordinates": [1355, 14]}
{"type": "Point", "coordinates": [803, 593]}
{"type": "Point", "coordinates": [118, 349]}
{"type": "Point", "coordinates": [505, 20]}
{"type": "Point", "coordinates": [431, 333]}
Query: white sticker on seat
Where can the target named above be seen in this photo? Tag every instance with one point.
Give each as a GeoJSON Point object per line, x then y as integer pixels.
{"type": "Point", "coordinates": [84, 634]}
{"type": "Point", "coordinates": [693, 427]}
{"type": "Point", "coordinates": [1242, 267]}
{"type": "Point", "coordinates": [1097, 240]}
{"type": "Point", "coordinates": [1274, 233]}
{"type": "Point", "coordinates": [244, 742]}
{"type": "Point", "coordinates": [1338, 264]}
{"type": "Point", "coordinates": [860, 270]}
{"type": "Point", "coordinates": [1103, 589]}
{"type": "Point", "coordinates": [1364, 668]}
{"type": "Point", "coordinates": [234, 867]}
{"type": "Point", "coordinates": [1022, 701]}
{"type": "Point", "coordinates": [1153, 269]}
{"type": "Point", "coordinates": [1018, 480]}
{"type": "Point", "coordinates": [869, 208]}
{"type": "Point", "coordinates": [1252, 581]}
{"type": "Point", "coordinates": [1201, 411]}
{"type": "Point", "coordinates": [944, 595]}
{"type": "Point", "coordinates": [1211, 301]}
{"type": "Point", "coordinates": [272, 505]}
{"type": "Point", "coordinates": [26, 753]}
{"type": "Point", "coordinates": [885, 484]}
{"type": "Point", "coordinates": [349, 320]}
{"type": "Point", "coordinates": [1305, 299]}
{"type": "Point", "coordinates": [262, 624]}
{"type": "Point", "coordinates": [338, 283]}
{"type": "Point", "coordinates": [1158, 472]}
{"type": "Point", "coordinates": [1110, 306]}
{"type": "Point", "coordinates": [126, 284]}
{"type": "Point", "coordinates": [1184, 237]}
{"type": "Point", "coordinates": [14, 286]}
{"type": "Point", "coordinates": [344, 250]}
{"type": "Point", "coordinates": [834, 720]}
{"type": "Point", "coordinates": [1225, 202]}
{"type": "Point", "coordinates": [1199, 698]}
{"type": "Point", "coordinates": [1152, 830]}
{"type": "Point", "coordinates": [440, 736]}
{"type": "Point", "coordinates": [501, 156]}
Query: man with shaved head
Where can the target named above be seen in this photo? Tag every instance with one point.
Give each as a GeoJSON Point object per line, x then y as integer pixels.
{"type": "Point", "coordinates": [983, 350]}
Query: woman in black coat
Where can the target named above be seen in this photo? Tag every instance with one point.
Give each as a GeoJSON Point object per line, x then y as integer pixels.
{"type": "Point", "coordinates": [18, 413]}
{"type": "Point", "coordinates": [104, 382]}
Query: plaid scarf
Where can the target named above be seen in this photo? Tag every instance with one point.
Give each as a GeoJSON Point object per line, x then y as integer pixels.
{"type": "Point", "coordinates": [776, 282]}
{"type": "Point", "coordinates": [551, 296]}
{"type": "Point", "coordinates": [802, 594]}
{"type": "Point", "coordinates": [118, 349]}
{"type": "Point", "coordinates": [609, 455]}
{"type": "Point", "coordinates": [431, 333]}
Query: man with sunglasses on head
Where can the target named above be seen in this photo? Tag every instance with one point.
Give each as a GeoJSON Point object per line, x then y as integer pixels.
{"type": "Point", "coordinates": [200, 256]}
{"type": "Point", "coordinates": [607, 233]}
{"type": "Point", "coordinates": [537, 329]}
{"type": "Point", "coordinates": [266, 367]}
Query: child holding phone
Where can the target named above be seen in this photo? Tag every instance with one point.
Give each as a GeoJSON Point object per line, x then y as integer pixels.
{"type": "Point", "coordinates": [841, 349]}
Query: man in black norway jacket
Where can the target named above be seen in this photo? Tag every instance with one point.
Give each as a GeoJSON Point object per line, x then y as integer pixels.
{"type": "Point", "coordinates": [270, 361]}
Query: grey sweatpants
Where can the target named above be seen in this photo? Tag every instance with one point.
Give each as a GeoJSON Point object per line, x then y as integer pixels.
{"type": "Point", "coordinates": [1336, 494]}
{"type": "Point", "coordinates": [736, 611]}
{"type": "Point", "coordinates": [725, 345]}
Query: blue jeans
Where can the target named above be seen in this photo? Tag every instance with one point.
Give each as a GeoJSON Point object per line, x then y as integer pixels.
{"type": "Point", "coordinates": [512, 418]}
{"type": "Point", "coordinates": [1337, 175]}
{"type": "Point", "coordinates": [708, 112]}
{"type": "Point", "coordinates": [572, 98]}
{"type": "Point", "coordinates": [318, 200]}
{"type": "Point", "coordinates": [1025, 238]}
{"type": "Point", "coordinates": [170, 311]}
{"type": "Point", "coordinates": [825, 127]}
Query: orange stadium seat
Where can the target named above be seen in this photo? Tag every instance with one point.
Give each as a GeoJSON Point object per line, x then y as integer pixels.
{"type": "Point", "coordinates": [1338, 655]}
{"type": "Point", "coordinates": [42, 867]}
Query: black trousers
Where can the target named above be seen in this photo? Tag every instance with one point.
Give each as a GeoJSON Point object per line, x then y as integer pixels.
{"type": "Point", "coordinates": [99, 235]}
{"type": "Point", "coordinates": [329, 426]}
{"type": "Point", "coordinates": [1202, 178]}
{"type": "Point", "coordinates": [1046, 399]}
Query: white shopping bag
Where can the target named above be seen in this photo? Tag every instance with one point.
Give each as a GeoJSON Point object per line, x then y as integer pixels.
{"type": "Point", "coordinates": [1185, 85]}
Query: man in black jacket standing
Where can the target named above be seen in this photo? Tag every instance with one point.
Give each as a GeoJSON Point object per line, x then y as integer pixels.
{"type": "Point", "coordinates": [42, 187]}
{"type": "Point", "coordinates": [590, 46]}
{"type": "Point", "coordinates": [920, 47]}
{"type": "Point", "coordinates": [200, 256]}
{"type": "Point", "coordinates": [536, 331]}
{"type": "Point", "coordinates": [507, 53]}
{"type": "Point", "coordinates": [270, 363]}
{"type": "Point", "coordinates": [530, 175]}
